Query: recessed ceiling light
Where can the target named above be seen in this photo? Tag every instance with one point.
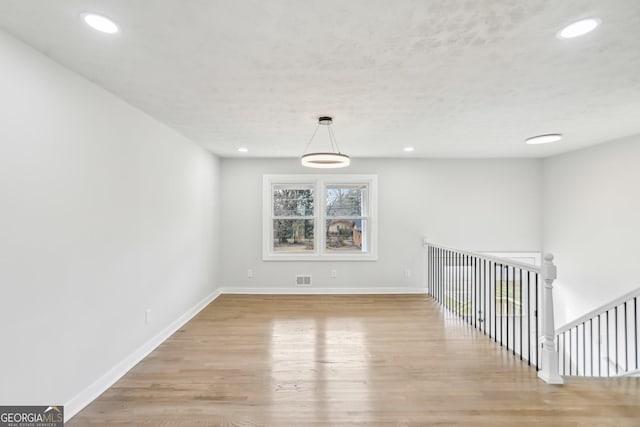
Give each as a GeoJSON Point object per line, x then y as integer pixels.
{"type": "Point", "coordinates": [544, 139]}
{"type": "Point", "coordinates": [579, 28]}
{"type": "Point", "coordinates": [243, 150]}
{"type": "Point", "coordinates": [408, 149]}
{"type": "Point", "coordinates": [100, 23]}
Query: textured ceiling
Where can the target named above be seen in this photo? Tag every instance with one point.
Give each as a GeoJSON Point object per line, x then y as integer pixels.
{"type": "Point", "coordinates": [453, 78]}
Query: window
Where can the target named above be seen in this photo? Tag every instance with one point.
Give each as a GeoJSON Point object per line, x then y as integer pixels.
{"type": "Point", "coordinates": [328, 217]}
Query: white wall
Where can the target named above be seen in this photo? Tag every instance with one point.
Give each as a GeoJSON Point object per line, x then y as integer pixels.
{"type": "Point", "coordinates": [104, 212]}
{"type": "Point", "coordinates": [484, 205]}
{"type": "Point", "coordinates": [592, 224]}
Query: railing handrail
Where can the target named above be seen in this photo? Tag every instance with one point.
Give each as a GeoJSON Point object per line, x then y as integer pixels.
{"type": "Point", "coordinates": [499, 260]}
{"type": "Point", "coordinates": [597, 311]}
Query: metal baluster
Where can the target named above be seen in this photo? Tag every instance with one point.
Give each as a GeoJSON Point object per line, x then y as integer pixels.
{"type": "Point", "coordinates": [456, 301]}
{"type": "Point", "coordinates": [501, 311]}
{"type": "Point", "coordinates": [432, 270]}
{"type": "Point", "coordinates": [507, 325]}
{"type": "Point", "coordinates": [584, 350]}
{"type": "Point", "coordinates": [529, 318]}
{"type": "Point", "coordinates": [564, 351]}
{"type": "Point", "coordinates": [436, 272]}
{"type": "Point", "coordinates": [429, 261]}
{"type": "Point", "coordinates": [607, 361]}
{"type": "Point", "coordinates": [626, 340]}
{"type": "Point", "coordinates": [494, 302]}
{"type": "Point", "coordinates": [455, 282]}
{"type": "Point", "coordinates": [445, 272]}
{"type": "Point", "coordinates": [465, 286]}
{"type": "Point", "coordinates": [471, 289]}
{"type": "Point", "coordinates": [438, 268]}
{"type": "Point", "coordinates": [635, 323]}
{"type": "Point", "coordinates": [615, 323]}
{"type": "Point", "coordinates": [591, 340]}
{"type": "Point", "coordinates": [570, 352]}
{"type": "Point", "coordinates": [513, 311]}
{"type": "Point", "coordinates": [485, 287]}
{"type": "Point", "coordinates": [520, 289]}
{"type": "Point", "coordinates": [599, 347]}
{"type": "Point", "coordinates": [577, 349]}
{"type": "Point", "coordinates": [440, 276]}
{"type": "Point", "coordinates": [458, 284]}
{"type": "Point", "coordinates": [440, 281]}
{"type": "Point", "coordinates": [451, 271]}
{"type": "Point", "coordinates": [462, 286]}
{"type": "Point", "coordinates": [443, 277]}
{"type": "Point", "coordinates": [474, 302]}
{"type": "Point", "coordinates": [451, 281]}
{"type": "Point", "coordinates": [536, 319]}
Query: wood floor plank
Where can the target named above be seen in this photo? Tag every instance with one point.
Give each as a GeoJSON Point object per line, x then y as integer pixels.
{"type": "Point", "coordinates": [329, 360]}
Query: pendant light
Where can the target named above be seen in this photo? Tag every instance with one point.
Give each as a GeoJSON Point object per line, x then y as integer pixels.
{"type": "Point", "coordinates": [325, 160]}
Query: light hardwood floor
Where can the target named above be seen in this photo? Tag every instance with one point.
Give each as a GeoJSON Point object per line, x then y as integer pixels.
{"type": "Point", "coordinates": [346, 360]}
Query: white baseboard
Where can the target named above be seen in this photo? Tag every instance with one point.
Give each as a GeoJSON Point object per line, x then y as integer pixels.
{"type": "Point", "coordinates": [86, 396]}
{"type": "Point", "coordinates": [309, 290]}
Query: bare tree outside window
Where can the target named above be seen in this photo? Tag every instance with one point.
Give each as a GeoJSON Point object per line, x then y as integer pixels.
{"type": "Point", "coordinates": [293, 224]}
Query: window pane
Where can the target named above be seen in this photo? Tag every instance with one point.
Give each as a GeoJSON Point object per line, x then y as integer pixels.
{"type": "Point", "coordinates": [345, 200]}
{"type": "Point", "coordinates": [292, 201]}
{"type": "Point", "coordinates": [346, 235]}
{"type": "Point", "coordinates": [293, 235]}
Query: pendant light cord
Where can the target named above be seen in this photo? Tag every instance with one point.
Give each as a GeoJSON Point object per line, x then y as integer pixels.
{"type": "Point", "coordinates": [332, 139]}
{"type": "Point", "coordinates": [334, 143]}
{"type": "Point", "coordinates": [311, 139]}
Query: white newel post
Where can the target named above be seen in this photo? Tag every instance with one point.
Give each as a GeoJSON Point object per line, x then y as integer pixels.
{"type": "Point", "coordinates": [549, 356]}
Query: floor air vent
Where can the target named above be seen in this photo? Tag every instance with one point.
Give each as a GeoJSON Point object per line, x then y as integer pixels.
{"type": "Point", "coordinates": [303, 280]}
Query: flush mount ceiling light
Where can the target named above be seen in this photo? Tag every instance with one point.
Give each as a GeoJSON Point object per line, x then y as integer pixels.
{"type": "Point", "coordinates": [325, 160]}
{"type": "Point", "coordinates": [544, 139]}
{"type": "Point", "coordinates": [579, 28]}
{"type": "Point", "coordinates": [243, 149]}
{"type": "Point", "coordinates": [408, 149]}
{"type": "Point", "coordinates": [100, 23]}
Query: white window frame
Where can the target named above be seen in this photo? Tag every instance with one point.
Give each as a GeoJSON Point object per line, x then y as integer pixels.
{"type": "Point", "coordinates": [320, 183]}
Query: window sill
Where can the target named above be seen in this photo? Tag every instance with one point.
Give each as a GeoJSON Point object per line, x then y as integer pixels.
{"type": "Point", "coordinates": [316, 258]}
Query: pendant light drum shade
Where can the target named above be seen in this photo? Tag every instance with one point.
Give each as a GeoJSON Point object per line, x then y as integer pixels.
{"type": "Point", "coordinates": [325, 160]}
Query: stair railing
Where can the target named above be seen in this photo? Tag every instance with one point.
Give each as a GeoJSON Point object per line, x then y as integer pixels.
{"type": "Point", "coordinates": [603, 342]}
{"type": "Point", "coordinates": [502, 299]}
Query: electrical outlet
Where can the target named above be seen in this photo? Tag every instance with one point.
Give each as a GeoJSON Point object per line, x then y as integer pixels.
{"type": "Point", "coordinates": [147, 316]}
{"type": "Point", "coordinates": [407, 273]}
{"type": "Point", "coordinates": [334, 273]}
{"type": "Point", "coordinates": [249, 273]}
